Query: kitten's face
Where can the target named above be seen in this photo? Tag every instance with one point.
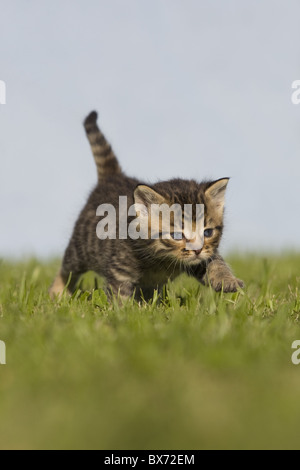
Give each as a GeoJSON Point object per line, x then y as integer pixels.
{"type": "Point", "coordinates": [178, 246]}
{"type": "Point", "coordinates": [180, 249]}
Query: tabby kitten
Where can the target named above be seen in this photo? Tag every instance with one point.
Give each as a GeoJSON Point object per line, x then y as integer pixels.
{"type": "Point", "coordinates": [134, 266]}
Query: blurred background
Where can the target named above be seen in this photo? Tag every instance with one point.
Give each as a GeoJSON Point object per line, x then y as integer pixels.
{"type": "Point", "coordinates": [191, 88]}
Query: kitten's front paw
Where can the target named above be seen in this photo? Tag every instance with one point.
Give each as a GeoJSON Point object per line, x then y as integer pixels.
{"type": "Point", "coordinates": [228, 284]}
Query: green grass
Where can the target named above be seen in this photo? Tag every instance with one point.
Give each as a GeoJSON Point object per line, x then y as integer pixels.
{"type": "Point", "coordinates": [198, 370]}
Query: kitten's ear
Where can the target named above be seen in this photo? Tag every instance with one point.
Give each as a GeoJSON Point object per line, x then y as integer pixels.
{"type": "Point", "coordinates": [146, 196]}
{"type": "Point", "coordinates": [215, 193]}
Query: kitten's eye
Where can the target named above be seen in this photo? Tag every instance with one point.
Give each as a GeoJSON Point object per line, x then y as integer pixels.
{"type": "Point", "coordinates": [208, 233]}
{"type": "Point", "coordinates": [177, 236]}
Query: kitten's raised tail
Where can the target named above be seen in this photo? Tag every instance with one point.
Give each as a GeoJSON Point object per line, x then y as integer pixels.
{"type": "Point", "coordinates": [105, 159]}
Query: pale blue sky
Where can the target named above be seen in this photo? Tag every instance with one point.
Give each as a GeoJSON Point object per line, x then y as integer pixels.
{"type": "Point", "coordinates": [189, 88]}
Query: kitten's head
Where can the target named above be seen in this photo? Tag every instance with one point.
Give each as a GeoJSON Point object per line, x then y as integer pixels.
{"type": "Point", "coordinates": [178, 245]}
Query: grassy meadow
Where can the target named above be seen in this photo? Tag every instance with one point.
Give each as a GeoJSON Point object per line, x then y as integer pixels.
{"type": "Point", "coordinates": [193, 370]}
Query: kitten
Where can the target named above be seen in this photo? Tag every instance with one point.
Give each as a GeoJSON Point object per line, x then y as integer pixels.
{"type": "Point", "coordinates": [131, 266]}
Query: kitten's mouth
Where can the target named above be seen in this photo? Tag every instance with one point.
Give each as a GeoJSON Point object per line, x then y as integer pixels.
{"type": "Point", "coordinates": [194, 262]}
{"type": "Point", "coordinates": [195, 257]}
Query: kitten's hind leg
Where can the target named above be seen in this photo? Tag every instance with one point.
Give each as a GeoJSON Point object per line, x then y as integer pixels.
{"type": "Point", "coordinates": [58, 287]}
{"type": "Point", "coordinates": [69, 274]}
{"type": "Point", "coordinates": [64, 282]}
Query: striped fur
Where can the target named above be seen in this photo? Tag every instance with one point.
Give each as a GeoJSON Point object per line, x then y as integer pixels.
{"type": "Point", "coordinates": [130, 266]}
{"type": "Point", "coordinates": [105, 158]}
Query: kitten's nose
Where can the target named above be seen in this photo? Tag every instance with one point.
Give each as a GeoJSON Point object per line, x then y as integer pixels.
{"type": "Point", "coordinates": [197, 252]}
